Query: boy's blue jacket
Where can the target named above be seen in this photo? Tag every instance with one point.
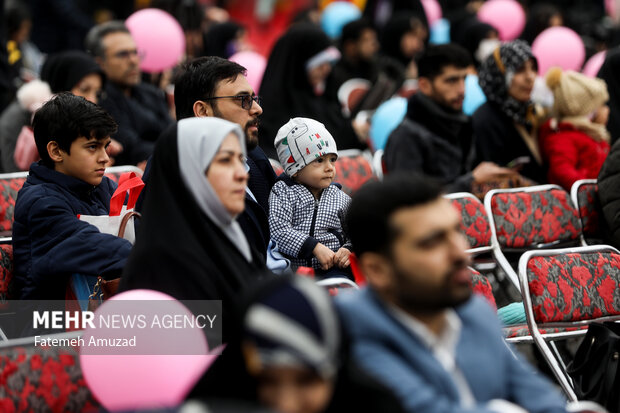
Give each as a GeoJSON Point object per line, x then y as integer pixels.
{"type": "Point", "coordinates": [49, 241]}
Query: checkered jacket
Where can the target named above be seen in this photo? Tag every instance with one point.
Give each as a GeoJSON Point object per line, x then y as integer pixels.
{"type": "Point", "coordinates": [297, 222]}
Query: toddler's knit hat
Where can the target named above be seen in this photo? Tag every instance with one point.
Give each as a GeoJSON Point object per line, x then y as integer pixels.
{"type": "Point", "coordinates": [575, 94]}
{"type": "Point", "coordinates": [301, 141]}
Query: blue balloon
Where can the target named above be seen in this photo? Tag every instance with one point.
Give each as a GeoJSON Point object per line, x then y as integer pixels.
{"type": "Point", "coordinates": [385, 119]}
{"type": "Point", "coordinates": [474, 96]}
{"type": "Point", "coordinates": [336, 15]}
{"type": "Point", "coordinates": [440, 32]}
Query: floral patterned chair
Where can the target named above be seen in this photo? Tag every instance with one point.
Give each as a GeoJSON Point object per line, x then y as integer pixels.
{"type": "Point", "coordinates": [563, 291]}
{"type": "Point", "coordinates": [584, 194]}
{"type": "Point", "coordinates": [353, 169]}
{"type": "Point", "coordinates": [43, 379]}
{"type": "Point", "coordinates": [10, 184]}
{"type": "Point", "coordinates": [529, 218]}
{"type": "Point", "coordinates": [474, 221]}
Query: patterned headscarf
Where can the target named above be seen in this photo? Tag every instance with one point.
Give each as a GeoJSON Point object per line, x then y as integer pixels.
{"type": "Point", "coordinates": [496, 74]}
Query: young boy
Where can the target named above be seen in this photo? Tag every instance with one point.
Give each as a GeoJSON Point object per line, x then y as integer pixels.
{"type": "Point", "coordinates": [50, 243]}
{"type": "Point", "coordinates": [306, 212]}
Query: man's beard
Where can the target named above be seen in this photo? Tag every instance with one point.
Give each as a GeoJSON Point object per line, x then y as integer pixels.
{"type": "Point", "coordinates": [251, 141]}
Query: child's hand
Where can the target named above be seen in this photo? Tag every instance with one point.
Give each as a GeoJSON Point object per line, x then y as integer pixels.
{"type": "Point", "coordinates": [341, 258]}
{"type": "Point", "coordinates": [324, 255]}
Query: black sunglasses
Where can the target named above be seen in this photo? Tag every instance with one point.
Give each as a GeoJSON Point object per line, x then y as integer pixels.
{"type": "Point", "coordinates": [246, 100]}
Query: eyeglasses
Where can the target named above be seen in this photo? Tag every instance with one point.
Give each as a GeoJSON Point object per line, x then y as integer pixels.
{"type": "Point", "coordinates": [126, 54]}
{"type": "Point", "coordinates": [246, 100]}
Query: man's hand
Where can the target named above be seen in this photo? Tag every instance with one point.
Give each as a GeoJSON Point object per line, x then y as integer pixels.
{"type": "Point", "coordinates": [324, 255]}
{"type": "Point", "coordinates": [341, 258]}
{"type": "Point", "coordinates": [489, 171]}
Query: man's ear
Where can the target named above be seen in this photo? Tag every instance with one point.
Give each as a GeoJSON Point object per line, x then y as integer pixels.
{"type": "Point", "coordinates": [202, 109]}
{"type": "Point", "coordinates": [54, 151]}
{"type": "Point", "coordinates": [425, 86]}
{"type": "Point", "coordinates": [377, 269]}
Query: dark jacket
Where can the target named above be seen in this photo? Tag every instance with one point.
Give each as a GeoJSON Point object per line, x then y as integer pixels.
{"type": "Point", "coordinates": [432, 141]}
{"type": "Point", "coordinates": [498, 140]}
{"type": "Point", "coordinates": [141, 119]}
{"type": "Point", "coordinates": [49, 241]}
{"type": "Point", "coordinates": [609, 195]}
{"type": "Point", "coordinates": [253, 220]}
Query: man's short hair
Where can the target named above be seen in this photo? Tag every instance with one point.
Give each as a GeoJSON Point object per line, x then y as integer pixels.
{"type": "Point", "coordinates": [197, 80]}
{"type": "Point", "coordinates": [354, 29]}
{"type": "Point", "coordinates": [435, 58]}
{"type": "Point", "coordinates": [368, 218]}
{"type": "Point", "coordinates": [66, 118]}
{"type": "Point", "coordinates": [94, 38]}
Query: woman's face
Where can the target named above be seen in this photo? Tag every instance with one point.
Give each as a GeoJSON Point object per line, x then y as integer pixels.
{"type": "Point", "coordinates": [293, 390]}
{"type": "Point", "coordinates": [228, 176]}
{"type": "Point", "coordinates": [523, 82]}
{"type": "Point", "coordinates": [412, 42]}
{"type": "Point", "coordinates": [89, 87]}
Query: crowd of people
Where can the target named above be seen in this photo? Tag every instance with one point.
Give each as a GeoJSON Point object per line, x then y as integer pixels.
{"type": "Point", "coordinates": [219, 224]}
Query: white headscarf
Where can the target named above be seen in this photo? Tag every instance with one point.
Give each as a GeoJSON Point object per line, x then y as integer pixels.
{"type": "Point", "coordinates": [198, 140]}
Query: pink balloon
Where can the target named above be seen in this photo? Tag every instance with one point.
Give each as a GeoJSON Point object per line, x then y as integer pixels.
{"type": "Point", "coordinates": [594, 63]}
{"type": "Point", "coordinates": [558, 46]}
{"type": "Point", "coordinates": [139, 381]}
{"type": "Point", "coordinates": [610, 8]}
{"type": "Point", "coordinates": [159, 38]}
{"type": "Point", "coordinates": [507, 16]}
{"type": "Point", "coordinates": [255, 64]}
{"type": "Point", "coordinates": [432, 10]}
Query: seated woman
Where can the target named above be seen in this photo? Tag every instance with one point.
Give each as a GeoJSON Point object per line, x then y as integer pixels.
{"type": "Point", "coordinates": [189, 244]}
{"type": "Point", "coordinates": [506, 126]}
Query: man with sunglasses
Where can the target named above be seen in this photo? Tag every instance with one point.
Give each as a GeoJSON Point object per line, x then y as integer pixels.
{"type": "Point", "coordinates": [140, 109]}
{"type": "Point", "coordinates": [212, 86]}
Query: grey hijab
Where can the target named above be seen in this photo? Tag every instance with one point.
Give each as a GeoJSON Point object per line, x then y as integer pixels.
{"type": "Point", "coordinates": [198, 141]}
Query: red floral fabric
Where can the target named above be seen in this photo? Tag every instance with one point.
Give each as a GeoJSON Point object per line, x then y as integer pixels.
{"type": "Point", "coordinates": [474, 221]}
{"type": "Point", "coordinates": [6, 270]}
{"type": "Point", "coordinates": [571, 287]}
{"type": "Point", "coordinates": [588, 205]}
{"type": "Point", "coordinates": [524, 219]}
{"type": "Point", "coordinates": [352, 172]}
{"type": "Point", "coordinates": [482, 286]}
{"type": "Point", "coordinates": [8, 194]}
{"type": "Point", "coordinates": [39, 379]}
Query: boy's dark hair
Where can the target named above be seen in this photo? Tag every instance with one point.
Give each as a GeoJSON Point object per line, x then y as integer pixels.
{"type": "Point", "coordinates": [94, 39]}
{"type": "Point", "coordinates": [368, 218]}
{"type": "Point", "coordinates": [353, 30]}
{"type": "Point", "coordinates": [66, 118]}
{"type": "Point", "coordinates": [197, 80]}
{"type": "Point", "coordinates": [436, 58]}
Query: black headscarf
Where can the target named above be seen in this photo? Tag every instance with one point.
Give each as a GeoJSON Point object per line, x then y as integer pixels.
{"type": "Point", "coordinates": [179, 249]}
{"type": "Point", "coordinates": [380, 11]}
{"type": "Point", "coordinates": [496, 75]}
{"type": "Point", "coordinates": [286, 91]}
{"type": "Point", "coordinates": [609, 73]}
{"type": "Point", "coordinates": [471, 32]}
{"type": "Point", "coordinates": [218, 38]}
{"type": "Point", "coordinates": [64, 70]}
{"type": "Point", "coordinates": [393, 32]}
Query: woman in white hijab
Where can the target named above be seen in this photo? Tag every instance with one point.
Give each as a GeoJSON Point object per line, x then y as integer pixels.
{"type": "Point", "coordinates": [189, 244]}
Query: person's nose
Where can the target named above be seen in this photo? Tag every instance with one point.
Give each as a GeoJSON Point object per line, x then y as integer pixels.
{"type": "Point", "coordinates": [256, 109]}
{"type": "Point", "coordinates": [241, 172]}
{"type": "Point", "coordinates": [103, 156]}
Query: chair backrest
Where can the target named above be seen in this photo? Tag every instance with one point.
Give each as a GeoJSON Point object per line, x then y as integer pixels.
{"type": "Point", "coordinates": [481, 285]}
{"type": "Point", "coordinates": [6, 270]}
{"type": "Point", "coordinates": [336, 285]}
{"type": "Point", "coordinates": [584, 194]}
{"type": "Point", "coordinates": [571, 284]}
{"type": "Point", "coordinates": [525, 218]}
{"type": "Point", "coordinates": [378, 166]}
{"type": "Point", "coordinates": [10, 184]}
{"type": "Point", "coordinates": [115, 172]}
{"type": "Point", "coordinates": [474, 221]}
{"type": "Point", "coordinates": [353, 169]}
{"type": "Point", "coordinates": [37, 378]}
